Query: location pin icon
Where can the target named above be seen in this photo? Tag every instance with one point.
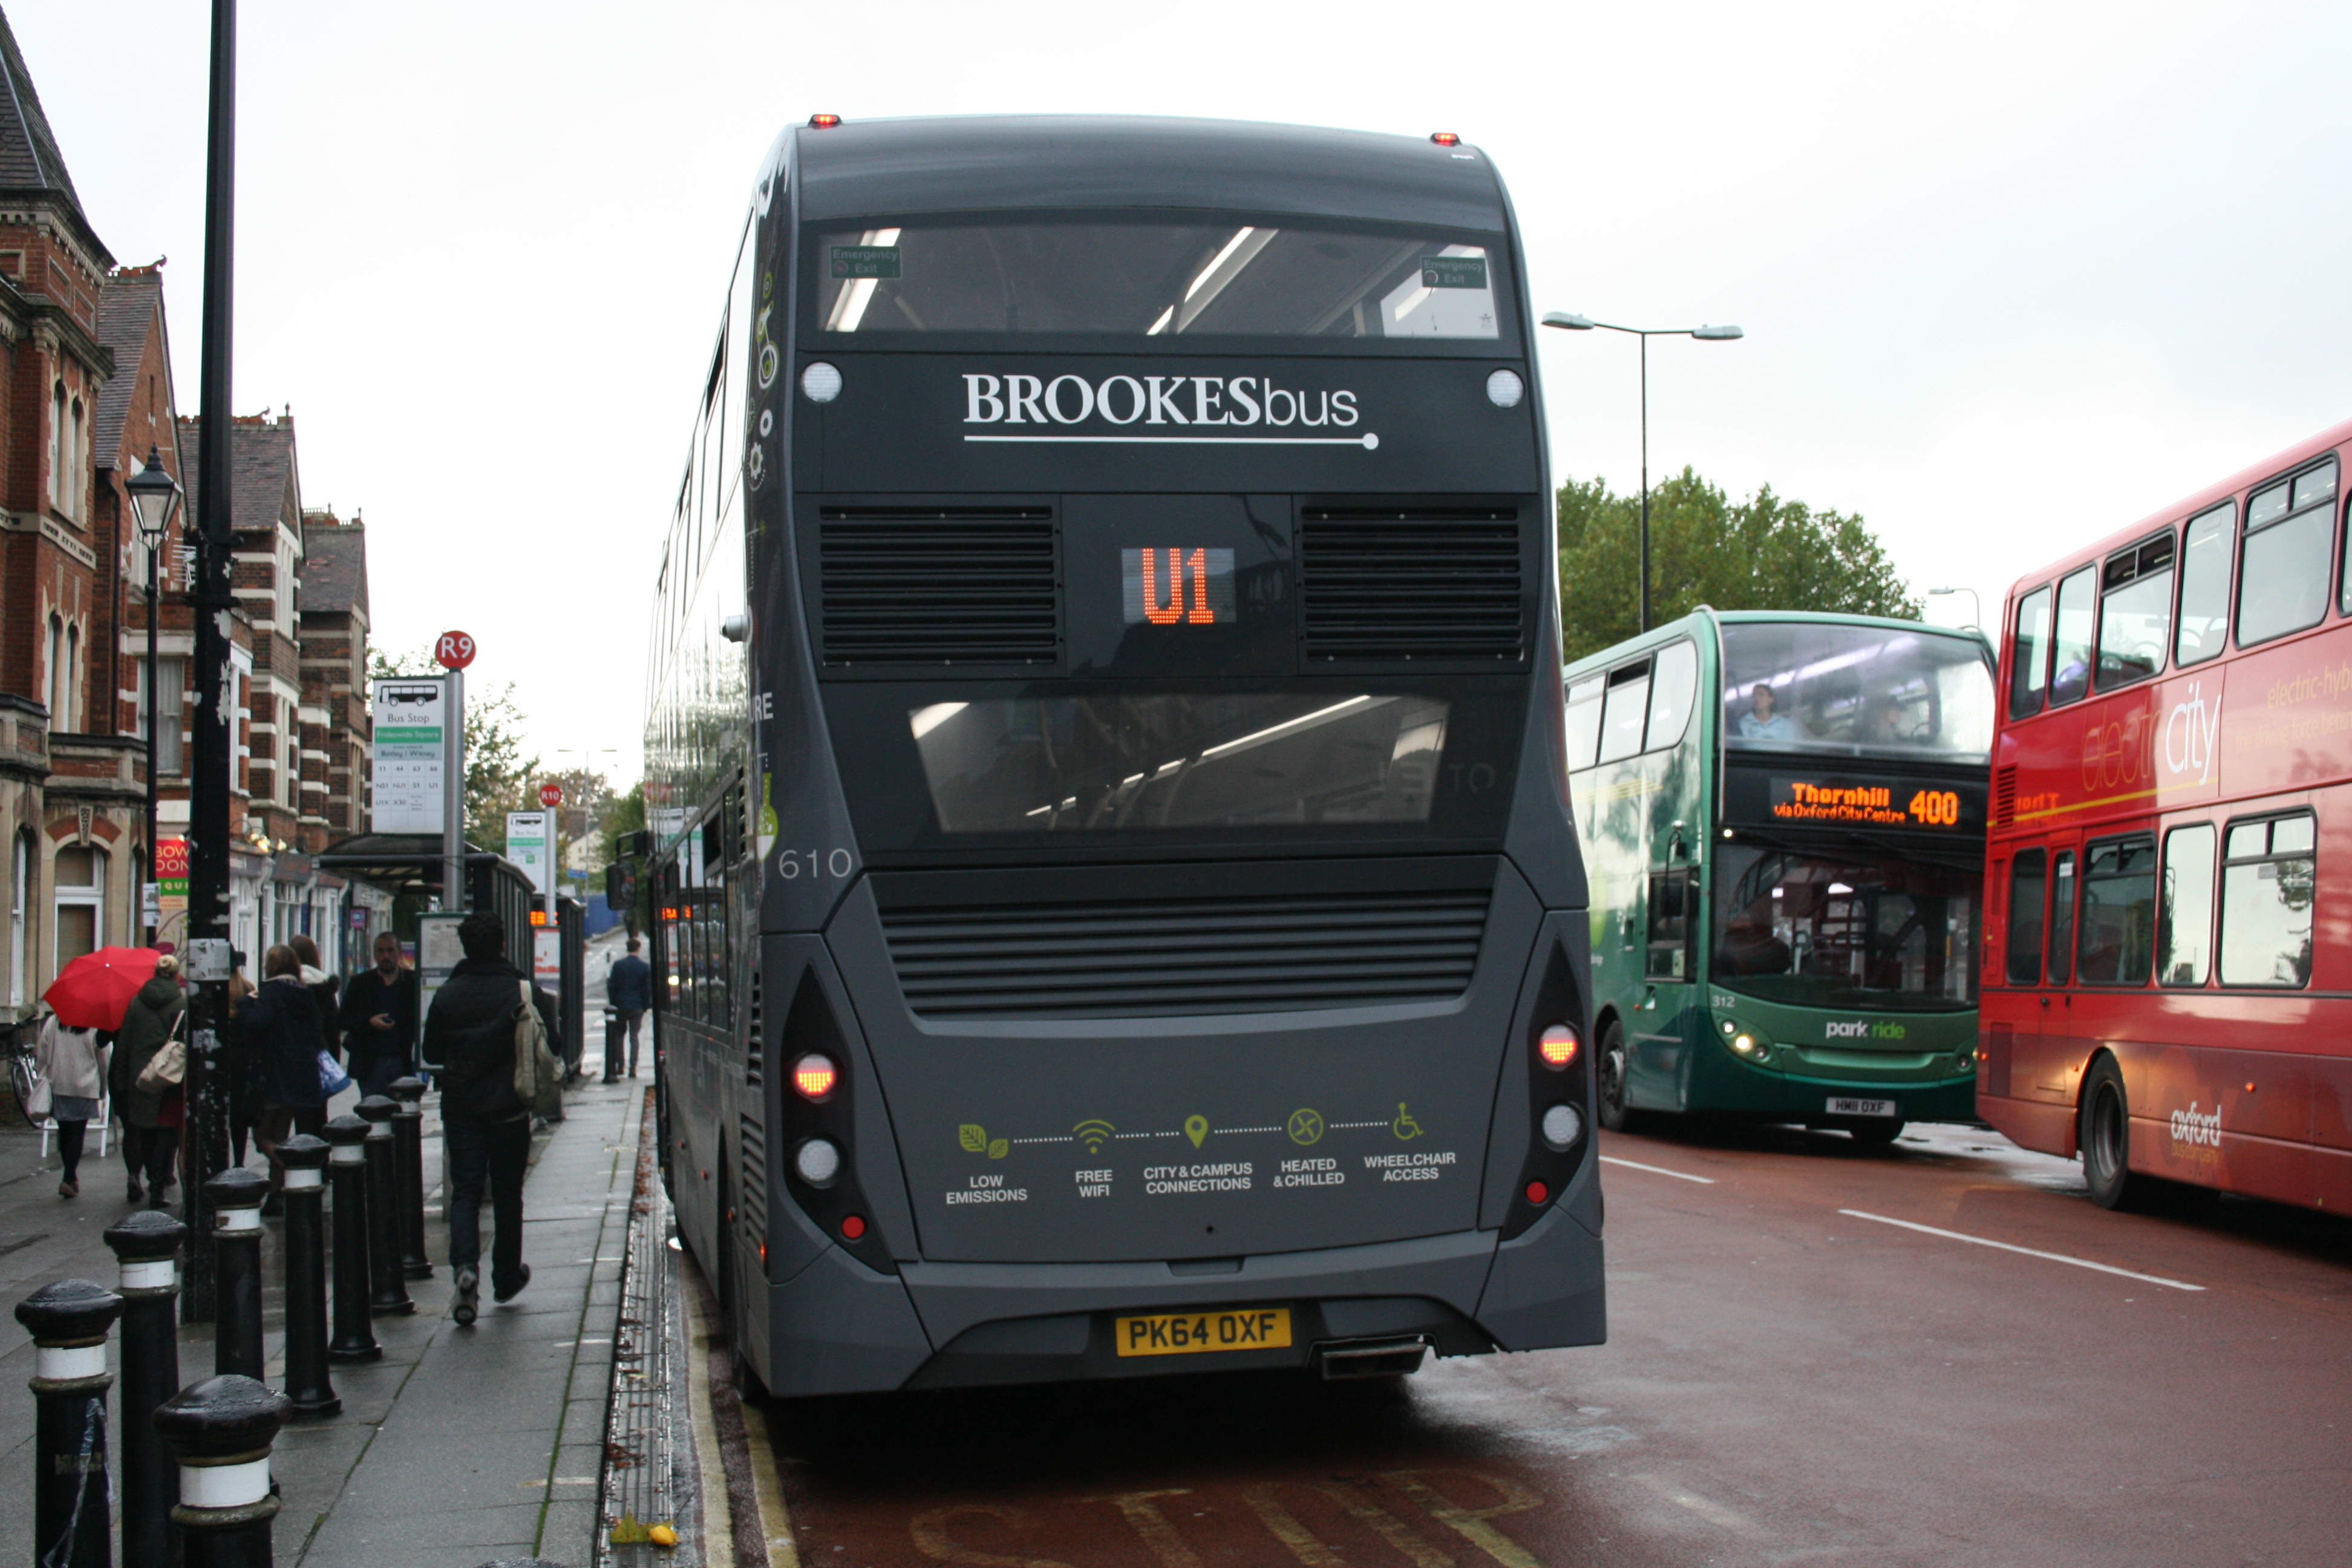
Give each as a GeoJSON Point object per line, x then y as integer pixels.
{"type": "Point", "coordinates": [1196, 1128]}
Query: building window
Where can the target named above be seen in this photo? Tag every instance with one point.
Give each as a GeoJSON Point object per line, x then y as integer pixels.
{"type": "Point", "coordinates": [55, 672]}
{"type": "Point", "coordinates": [68, 712]}
{"type": "Point", "coordinates": [81, 880]}
{"type": "Point", "coordinates": [20, 880]}
{"type": "Point", "coordinates": [170, 718]}
{"type": "Point", "coordinates": [57, 443]}
{"type": "Point", "coordinates": [77, 444]}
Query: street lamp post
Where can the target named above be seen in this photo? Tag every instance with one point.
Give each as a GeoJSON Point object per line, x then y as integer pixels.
{"type": "Point", "coordinates": [1976, 606]}
{"type": "Point", "coordinates": [154, 499]}
{"type": "Point", "coordinates": [1567, 321]}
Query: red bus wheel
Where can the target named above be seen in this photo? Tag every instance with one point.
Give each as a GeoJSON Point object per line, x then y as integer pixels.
{"type": "Point", "coordinates": [2106, 1140]}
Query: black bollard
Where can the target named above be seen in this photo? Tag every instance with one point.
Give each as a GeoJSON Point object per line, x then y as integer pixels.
{"type": "Point", "coordinates": [236, 1196]}
{"type": "Point", "coordinates": [68, 1321]}
{"type": "Point", "coordinates": [147, 1245]}
{"type": "Point", "coordinates": [408, 1169]}
{"type": "Point", "coordinates": [347, 1169]}
{"type": "Point", "coordinates": [307, 1388]}
{"type": "Point", "coordinates": [389, 1298]}
{"type": "Point", "coordinates": [221, 1430]}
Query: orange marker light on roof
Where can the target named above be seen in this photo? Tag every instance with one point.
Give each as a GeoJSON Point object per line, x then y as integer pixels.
{"type": "Point", "coordinates": [824, 121]}
{"type": "Point", "coordinates": [1557, 1047]}
{"type": "Point", "coordinates": [813, 1076]}
{"type": "Point", "coordinates": [1446, 138]}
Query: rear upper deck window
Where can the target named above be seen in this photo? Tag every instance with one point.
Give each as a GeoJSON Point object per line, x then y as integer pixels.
{"type": "Point", "coordinates": [2029, 660]}
{"type": "Point", "coordinates": [2282, 567]}
{"type": "Point", "coordinates": [2135, 612]}
{"type": "Point", "coordinates": [1152, 278]}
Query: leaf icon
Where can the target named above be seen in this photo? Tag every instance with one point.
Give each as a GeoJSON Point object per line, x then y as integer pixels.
{"type": "Point", "coordinates": [996, 1151]}
{"type": "Point", "coordinates": [974, 1138]}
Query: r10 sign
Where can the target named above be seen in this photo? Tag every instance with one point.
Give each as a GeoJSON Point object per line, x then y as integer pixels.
{"type": "Point", "coordinates": [455, 650]}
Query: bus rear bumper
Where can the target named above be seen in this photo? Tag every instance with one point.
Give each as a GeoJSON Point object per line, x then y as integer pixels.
{"type": "Point", "coordinates": [840, 1328]}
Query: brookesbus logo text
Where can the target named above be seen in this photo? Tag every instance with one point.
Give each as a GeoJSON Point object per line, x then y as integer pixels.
{"type": "Point", "coordinates": [1240, 409]}
{"type": "Point", "coordinates": [2189, 1127]}
{"type": "Point", "coordinates": [1861, 1029]}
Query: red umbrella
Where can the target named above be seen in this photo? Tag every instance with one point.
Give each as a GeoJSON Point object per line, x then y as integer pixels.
{"type": "Point", "coordinates": [91, 992]}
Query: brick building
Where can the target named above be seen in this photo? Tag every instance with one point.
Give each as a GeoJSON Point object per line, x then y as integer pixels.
{"type": "Point", "coordinates": [85, 399]}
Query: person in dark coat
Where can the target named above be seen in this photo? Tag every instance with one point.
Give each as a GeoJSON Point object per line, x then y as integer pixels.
{"type": "Point", "coordinates": [629, 987]}
{"type": "Point", "coordinates": [151, 1122]}
{"type": "Point", "coordinates": [470, 1031]}
{"type": "Point", "coordinates": [379, 1019]}
{"type": "Point", "coordinates": [279, 1024]}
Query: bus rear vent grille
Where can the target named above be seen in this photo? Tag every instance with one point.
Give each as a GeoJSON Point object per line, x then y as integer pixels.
{"type": "Point", "coordinates": [755, 1043]}
{"type": "Point", "coordinates": [939, 586]}
{"type": "Point", "coordinates": [752, 1139]}
{"type": "Point", "coordinates": [2004, 795]}
{"type": "Point", "coordinates": [1430, 583]}
{"type": "Point", "coordinates": [1136, 959]}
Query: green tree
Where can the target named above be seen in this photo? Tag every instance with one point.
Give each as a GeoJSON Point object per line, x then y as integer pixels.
{"type": "Point", "coordinates": [499, 776]}
{"type": "Point", "coordinates": [1767, 552]}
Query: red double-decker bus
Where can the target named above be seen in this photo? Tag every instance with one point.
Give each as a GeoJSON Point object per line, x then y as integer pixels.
{"type": "Point", "coordinates": [2167, 979]}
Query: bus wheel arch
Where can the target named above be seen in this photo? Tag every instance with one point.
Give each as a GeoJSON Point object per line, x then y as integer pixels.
{"type": "Point", "coordinates": [2103, 1133]}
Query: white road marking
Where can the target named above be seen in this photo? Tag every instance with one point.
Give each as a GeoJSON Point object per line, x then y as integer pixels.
{"type": "Point", "coordinates": [1657, 1170]}
{"type": "Point", "coordinates": [2028, 1251]}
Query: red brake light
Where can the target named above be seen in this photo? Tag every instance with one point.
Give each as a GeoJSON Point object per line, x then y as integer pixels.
{"type": "Point", "coordinates": [852, 1229]}
{"type": "Point", "coordinates": [1445, 138]}
{"type": "Point", "coordinates": [1557, 1047]}
{"type": "Point", "coordinates": [813, 1076]}
{"type": "Point", "coordinates": [1537, 1193]}
{"type": "Point", "coordinates": [824, 121]}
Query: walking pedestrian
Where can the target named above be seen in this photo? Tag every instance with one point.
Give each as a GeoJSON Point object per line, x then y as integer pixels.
{"type": "Point", "coordinates": [629, 987]}
{"type": "Point", "coordinates": [280, 1027]}
{"type": "Point", "coordinates": [379, 1019]}
{"type": "Point", "coordinates": [322, 986]}
{"type": "Point", "coordinates": [470, 1031]}
{"type": "Point", "coordinates": [151, 1122]}
{"type": "Point", "coordinates": [74, 1061]}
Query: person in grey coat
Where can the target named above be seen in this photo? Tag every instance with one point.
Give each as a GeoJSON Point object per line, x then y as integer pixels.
{"type": "Point", "coordinates": [151, 1122]}
{"type": "Point", "coordinates": [74, 1061]}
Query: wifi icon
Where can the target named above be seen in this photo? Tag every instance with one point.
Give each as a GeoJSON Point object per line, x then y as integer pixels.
{"type": "Point", "coordinates": [1094, 1134]}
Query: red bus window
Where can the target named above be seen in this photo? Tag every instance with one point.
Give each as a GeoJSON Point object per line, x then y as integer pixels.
{"type": "Point", "coordinates": [2269, 878]}
{"type": "Point", "coordinates": [2071, 668]}
{"type": "Point", "coordinates": [2061, 918]}
{"type": "Point", "coordinates": [2282, 575]}
{"type": "Point", "coordinates": [2029, 664]}
{"type": "Point", "coordinates": [2119, 924]}
{"type": "Point", "coordinates": [2136, 611]}
{"type": "Point", "coordinates": [2205, 585]}
{"type": "Point", "coordinates": [2028, 885]}
{"type": "Point", "coordinates": [2184, 935]}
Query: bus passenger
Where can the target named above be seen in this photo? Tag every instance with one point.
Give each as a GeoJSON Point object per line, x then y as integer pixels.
{"type": "Point", "coordinates": [1762, 721]}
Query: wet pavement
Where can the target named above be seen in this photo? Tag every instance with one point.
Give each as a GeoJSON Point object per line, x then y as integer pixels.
{"type": "Point", "coordinates": [1938, 1353]}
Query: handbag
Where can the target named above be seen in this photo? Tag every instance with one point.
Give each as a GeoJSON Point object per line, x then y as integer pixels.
{"type": "Point", "coordinates": [538, 1076]}
{"type": "Point", "coordinates": [333, 1079]}
{"type": "Point", "coordinates": [168, 1067]}
{"type": "Point", "coordinates": [33, 1095]}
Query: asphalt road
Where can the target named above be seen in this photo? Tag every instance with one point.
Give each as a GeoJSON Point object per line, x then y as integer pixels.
{"type": "Point", "coordinates": [1790, 1378]}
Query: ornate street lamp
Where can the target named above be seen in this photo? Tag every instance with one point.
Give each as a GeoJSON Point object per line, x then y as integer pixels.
{"type": "Point", "coordinates": [154, 501]}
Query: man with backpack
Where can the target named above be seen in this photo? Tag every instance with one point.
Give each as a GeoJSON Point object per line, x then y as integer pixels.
{"type": "Point", "coordinates": [481, 1032]}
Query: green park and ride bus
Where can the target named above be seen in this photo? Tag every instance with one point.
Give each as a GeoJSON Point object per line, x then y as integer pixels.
{"type": "Point", "coordinates": [1116, 907]}
{"type": "Point", "coordinates": [1784, 819]}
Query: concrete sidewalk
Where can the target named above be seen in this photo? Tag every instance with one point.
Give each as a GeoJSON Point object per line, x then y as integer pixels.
{"type": "Point", "coordinates": [461, 1445]}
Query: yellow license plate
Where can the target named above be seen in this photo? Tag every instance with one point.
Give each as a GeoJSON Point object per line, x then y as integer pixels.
{"type": "Point", "coordinates": [1200, 1333]}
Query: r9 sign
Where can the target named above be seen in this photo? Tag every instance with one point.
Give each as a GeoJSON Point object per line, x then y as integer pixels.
{"type": "Point", "coordinates": [455, 650]}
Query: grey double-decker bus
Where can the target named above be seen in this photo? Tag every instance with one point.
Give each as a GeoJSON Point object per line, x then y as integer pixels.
{"type": "Point", "coordinates": [1116, 906]}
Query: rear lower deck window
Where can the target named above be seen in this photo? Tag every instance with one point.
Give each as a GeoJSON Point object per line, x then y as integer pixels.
{"type": "Point", "coordinates": [2028, 887]}
{"type": "Point", "coordinates": [2116, 939]}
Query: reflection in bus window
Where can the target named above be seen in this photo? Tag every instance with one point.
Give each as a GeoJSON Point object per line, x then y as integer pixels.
{"type": "Point", "coordinates": [2184, 939]}
{"type": "Point", "coordinates": [2205, 585]}
{"type": "Point", "coordinates": [2061, 918]}
{"type": "Point", "coordinates": [1672, 686]}
{"type": "Point", "coordinates": [2029, 663]}
{"type": "Point", "coordinates": [1856, 688]}
{"type": "Point", "coordinates": [1584, 724]}
{"type": "Point", "coordinates": [2118, 931]}
{"type": "Point", "coordinates": [1628, 704]}
{"type": "Point", "coordinates": [1831, 928]}
{"type": "Point", "coordinates": [1667, 951]}
{"type": "Point", "coordinates": [2267, 884]}
{"type": "Point", "coordinates": [2071, 668]}
{"type": "Point", "coordinates": [2282, 584]}
{"type": "Point", "coordinates": [2136, 611]}
{"type": "Point", "coordinates": [2028, 887]}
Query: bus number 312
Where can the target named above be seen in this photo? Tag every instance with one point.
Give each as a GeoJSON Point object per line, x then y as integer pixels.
{"type": "Point", "coordinates": [1938, 808]}
{"type": "Point", "coordinates": [840, 863]}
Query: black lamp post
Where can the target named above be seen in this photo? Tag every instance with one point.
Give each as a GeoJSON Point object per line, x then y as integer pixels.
{"type": "Point", "coordinates": [154, 501]}
{"type": "Point", "coordinates": [1573, 323]}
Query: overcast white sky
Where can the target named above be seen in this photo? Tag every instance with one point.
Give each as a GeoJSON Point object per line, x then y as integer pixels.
{"type": "Point", "coordinates": [2013, 276]}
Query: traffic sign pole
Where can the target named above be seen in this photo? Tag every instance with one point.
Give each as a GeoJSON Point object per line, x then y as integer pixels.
{"type": "Point", "coordinates": [455, 650]}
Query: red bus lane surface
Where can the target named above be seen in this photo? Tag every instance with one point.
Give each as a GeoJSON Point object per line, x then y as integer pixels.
{"type": "Point", "coordinates": [1940, 1353]}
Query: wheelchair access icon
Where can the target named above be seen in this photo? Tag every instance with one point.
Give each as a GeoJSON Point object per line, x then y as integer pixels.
{"type": "Point", "coordinates": [1404, 1126]}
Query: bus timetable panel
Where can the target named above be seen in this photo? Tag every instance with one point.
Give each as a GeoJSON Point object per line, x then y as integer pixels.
{"type": "Point", "coordinates": [1141, 885]}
